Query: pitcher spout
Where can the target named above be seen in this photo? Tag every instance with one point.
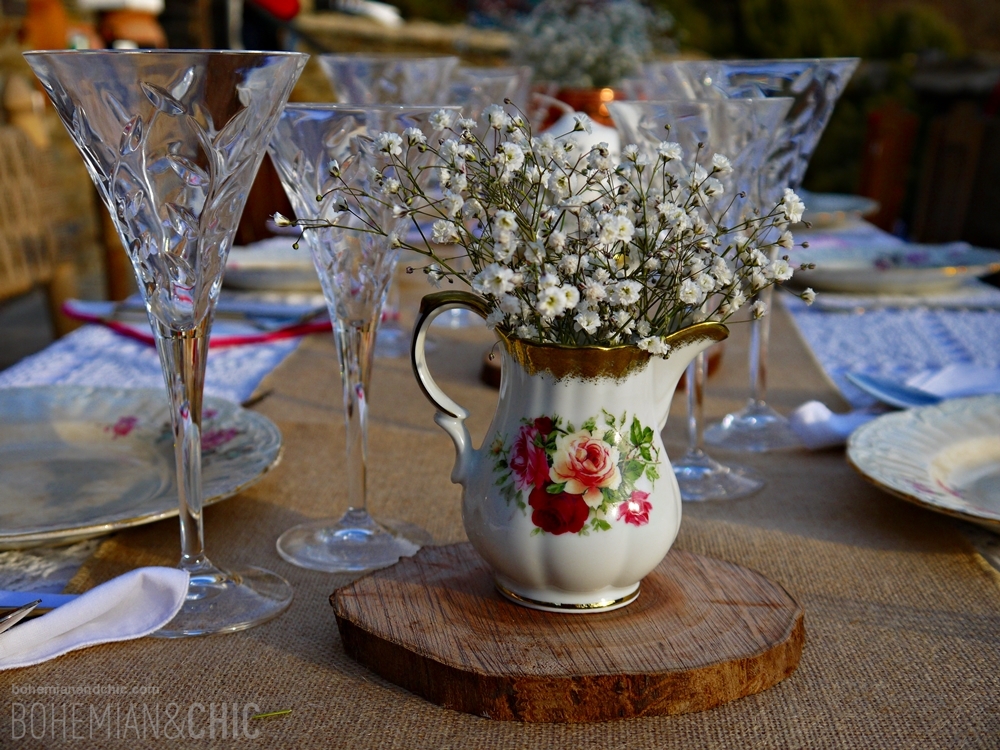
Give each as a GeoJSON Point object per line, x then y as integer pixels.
{"type": "Point", "coordinates": [685, 345]}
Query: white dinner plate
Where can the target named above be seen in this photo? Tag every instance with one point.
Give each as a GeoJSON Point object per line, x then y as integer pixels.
{"type": "Point", "coordinates": [828, 210]}
{"type": "Point", "coordinates": [76, 462]}
{"type": "Point", "coordinates": [944, 457]}
{"type": "Point", "coordinates": [904, 269]}
{"type": "Point", "coordinates": [272, 264]}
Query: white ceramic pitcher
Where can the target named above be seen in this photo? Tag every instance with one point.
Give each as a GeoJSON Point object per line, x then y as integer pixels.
{"type": "Point", "coordinates": [571, 498]}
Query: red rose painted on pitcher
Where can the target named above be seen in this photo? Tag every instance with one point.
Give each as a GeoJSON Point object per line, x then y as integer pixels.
{"type": "Point", "coordinates": [578, 480]}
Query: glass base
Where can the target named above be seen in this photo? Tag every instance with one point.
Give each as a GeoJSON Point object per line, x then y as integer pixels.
{"type": "Point", "coordinates": [354, 543]}
{"type": "Point", "coordinates": [756, 428]}
{"type": "Point", "coordinates": [223, 602]}
{"type": "Point", "coordinates": [701, 477]}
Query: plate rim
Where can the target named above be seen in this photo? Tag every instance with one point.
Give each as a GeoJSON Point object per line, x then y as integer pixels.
{"type": "Point", "coordinates": [26, 540]}
{"type": "Point", "coordinates": [989, 521]}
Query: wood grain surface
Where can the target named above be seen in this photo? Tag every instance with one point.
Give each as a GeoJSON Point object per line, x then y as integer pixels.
{"type": "Point", "coordinates": [702, 632]}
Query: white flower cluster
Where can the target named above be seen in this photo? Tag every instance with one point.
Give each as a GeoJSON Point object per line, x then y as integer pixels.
{"type": "Point", "coordinates": [572, 248]}
{"type": "Point", "coordinates": [586, 43]}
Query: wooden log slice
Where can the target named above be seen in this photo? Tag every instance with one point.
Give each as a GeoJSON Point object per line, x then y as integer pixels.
{"type": "Point", "coordinates": [702, 632]}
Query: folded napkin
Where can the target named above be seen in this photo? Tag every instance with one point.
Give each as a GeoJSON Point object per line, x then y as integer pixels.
{"type": "Point", "coordinates": [818, 427]}
{"type": "Point", "coordinates": [130, 606]}
{"type": "Point", "coordinates": [956, 381]}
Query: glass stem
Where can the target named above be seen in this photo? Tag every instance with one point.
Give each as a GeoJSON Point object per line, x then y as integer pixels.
{"type": "Point", "coordinates": [356, 342]}
{"type": "Point", "coordinates": [694, 385]}
{"type": "Point", "coordinates": [760, 333]}
{"type": "Point", "coordinates": [182, 356]}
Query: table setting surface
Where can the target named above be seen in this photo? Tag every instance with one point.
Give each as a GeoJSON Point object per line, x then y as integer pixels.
{"type": "Point", "coordinates": [902, 615]}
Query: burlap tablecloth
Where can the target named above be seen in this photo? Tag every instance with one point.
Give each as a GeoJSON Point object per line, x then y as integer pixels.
{"type": "Point", "coordinates": [902, 616]}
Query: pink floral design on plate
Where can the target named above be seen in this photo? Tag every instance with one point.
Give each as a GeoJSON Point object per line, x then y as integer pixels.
{"type": "Point", "coordinates": [122, 427]}
{"type": "Point", "coordinates": [213, 439]}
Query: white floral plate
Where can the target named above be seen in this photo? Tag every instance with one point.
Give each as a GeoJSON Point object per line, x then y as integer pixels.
{"type": "Point", "coordinates": [272, 264]}
{"type": "Point", "coordinates": [944, 457]}
{"type": "Point", "coordinates": [828, 210]}
{"type": "Point", "coordinates": [903, 269]}
{"type": "Point", "coordinates": [76, 462]}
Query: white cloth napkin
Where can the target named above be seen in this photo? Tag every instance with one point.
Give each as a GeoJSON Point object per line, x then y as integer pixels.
{"type": "Point", "coordinates": [818, 427]}
{"type": "Point", "coordinates": [956, 381]}
{"type": "Point", "coordinates": [130, 606]}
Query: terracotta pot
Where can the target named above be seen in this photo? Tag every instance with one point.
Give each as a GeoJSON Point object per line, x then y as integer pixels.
{"type": "Point", "coordinates": [593, 102]}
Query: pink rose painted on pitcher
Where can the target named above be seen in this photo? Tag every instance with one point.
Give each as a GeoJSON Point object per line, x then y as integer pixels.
{"type": "Point", "coordinates": [636, 509]}
{"type": "Point", "coordinates": [528, 460]}
{"type": "Point", "coordinates": [585, 465]}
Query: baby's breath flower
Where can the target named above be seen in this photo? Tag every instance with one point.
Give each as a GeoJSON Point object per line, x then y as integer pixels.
{"type": "Point", "coordinates": [792, 206]}
{"type": "Point", "coordinates": [758, 309]}
{"type": "Point", "coordinates": [452, 203]}
{"type": "Point", "coordinates": [510, 305]}
{"type": "Point", "coordinates": [389, 143]}
{"type": "Point", "coordinates": [495, 280]}
{"type": "Point", "coordinates": [444, 232]}
{"type": "Point", "coordinates": [494, 319]}
{"type": "Point", "coordinates": [588, 321]}
{"type": "Point", "coordinates": [570, 248]}
{"type": "Point", "coordinates": [414, 136]}
{"type": "Point", "coordinates": [624, 321]}
{"type": "Point", "coordinates": [551, 302]}
{"type": "Point", "coordinates": [571, 295]}
{"type": "Point", "coordinates": [721, 164]}
{"type": "Point", "coordinates": [670, 151]}
{"type": "Point", "coordinates": [442, 119]}
{"type": "Point", "coordinates": [497, 117]}
{"type": "Point", "coordinates": [527, 332]}
{"type": "Point", "coordinates": [690, 292]}
{"type": "Point", "coordinates": [505, 220]}
{"type": "Point", "coordinates": [808, 296]}
{"type": "Point", "coordinates": [779, 270]}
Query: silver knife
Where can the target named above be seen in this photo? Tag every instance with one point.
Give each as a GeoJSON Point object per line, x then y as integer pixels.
{"type": "Point", "coordinates": [6, 623]}
{"type": "Point", "coordinates": [891, 392]}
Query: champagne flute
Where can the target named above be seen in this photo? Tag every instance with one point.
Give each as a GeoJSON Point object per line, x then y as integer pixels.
{"type": "Point", "coordinates": [172, 140]}
{"type": "Point", "coordinates": [367, 79]}
{"type": "Point", "coordinates": [815, 85]}
{"type": "Point", "coordinates": [317, 148]}
{"type": "Point", "coordinates": [742, 130]}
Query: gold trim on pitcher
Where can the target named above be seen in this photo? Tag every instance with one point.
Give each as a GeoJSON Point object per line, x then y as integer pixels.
{"type": "Point", "coordinates": [568, 607]}
{"type": "Point", "coordinates": [594, 362]}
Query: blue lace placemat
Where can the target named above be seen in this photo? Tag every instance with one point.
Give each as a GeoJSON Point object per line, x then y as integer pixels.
{"type": "Point", "coordinates": [896, 343]}
{"type": "Point", "coordinates": [97, 356]}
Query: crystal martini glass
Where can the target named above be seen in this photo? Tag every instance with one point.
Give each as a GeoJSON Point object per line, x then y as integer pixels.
{"type": "Point", "coordinates": [172, 140]}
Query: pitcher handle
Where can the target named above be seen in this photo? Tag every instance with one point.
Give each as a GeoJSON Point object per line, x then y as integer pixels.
{"type": "Point", "coordinates": [450, 416]}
